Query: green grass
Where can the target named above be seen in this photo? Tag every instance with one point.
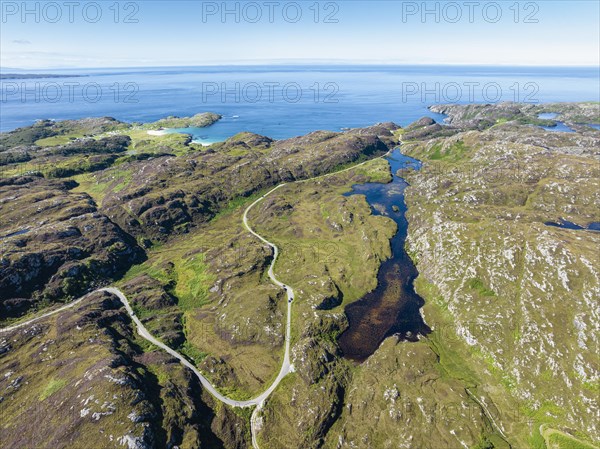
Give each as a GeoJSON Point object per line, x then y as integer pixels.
{"type": "Point", "coordinates": [193, 353]}
{"type": "Point", "coordinates": [237, 203]}
{"type": "Point", "coordinates": [21, 168]}
{"type": "Point", "coordinates": [478, 285]}
{"type": "Point", "coordinates": [187, 278]}
{"type": "Point", "coordinates": [162, 376]}
{"type": "Point", "coordinates": [377, 170]}
{"type": "Point", "coordinates": [451, 359]}
{"type": "Point", "coordinates": [52, 387]}
{"type": "Point", "coordinates": [152, 268]}
{"type": "Point", "coordinates": [77, 164]}
{"type": "Point", "coordinates": [454, 153]}
{"type": "Point", "coordinates": [98, 185]}
{"type": "Point", "coordinates": [193, 282]}
{"type": "Point", "coordinates": [142, 142]}
{"type": "Point", "coordinates": [436, 153]}
{"type": "Point", "coordinates": [540, 417]}
{"type": "Point", "coordinates": [123, 176]}
{"type": "Point", "coordinates": [555, 439]}
{"type": "Point", "coordinates": [57, 140]}
{"type": "Point", "coordinates": [593, 386]}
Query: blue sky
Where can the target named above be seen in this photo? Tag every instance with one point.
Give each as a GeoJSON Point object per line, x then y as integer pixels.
{"type": "Point", "coordinates": [175, 33]}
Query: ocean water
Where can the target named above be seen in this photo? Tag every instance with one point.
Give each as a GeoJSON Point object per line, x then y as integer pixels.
{"type": "Point", "coordinates": [282, 101]}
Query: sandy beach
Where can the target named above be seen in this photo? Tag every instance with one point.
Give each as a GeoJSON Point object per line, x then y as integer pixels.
{"type": "Point", "coordinates": [155, 132]}
{"type": "Point", "coordinates": [204, 144]}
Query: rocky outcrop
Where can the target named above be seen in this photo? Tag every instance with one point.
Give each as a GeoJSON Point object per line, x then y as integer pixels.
{"type": "Point", "coordinates": [29, 135]}
{"type": "Point", "coordinates": [400, 394]}
{"type": "Point", "coordinates": [483, 116]}
{"type": "Point", "coordinates": [82, 378]}
{"type": "Point", "coordinates": [517, 293]}
{"type": "Point", "coordinates": [55, 244]}
{"type": "Point", "coordinates": [197, 121]}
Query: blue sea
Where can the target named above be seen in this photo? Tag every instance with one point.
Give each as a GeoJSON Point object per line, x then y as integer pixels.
{"type": "Point", "coordinates": [282, 101]}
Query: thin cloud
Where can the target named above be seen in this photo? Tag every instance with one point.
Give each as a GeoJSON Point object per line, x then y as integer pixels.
{"type": "Point", "coordinates": [21, 42]}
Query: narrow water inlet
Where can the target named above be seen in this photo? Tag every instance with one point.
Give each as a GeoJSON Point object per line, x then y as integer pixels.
{"type": "Point", "coordinates": [565, 224]}
{"type": "Point", "coordinates": [394, 306]}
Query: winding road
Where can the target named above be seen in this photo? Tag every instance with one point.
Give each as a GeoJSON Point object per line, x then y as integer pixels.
{"type": "Point", "coordinates": [286, 366]}
{"type": "Point", "coordinates": [258, 401]}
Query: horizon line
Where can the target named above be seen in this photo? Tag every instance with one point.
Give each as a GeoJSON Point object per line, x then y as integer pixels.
{"type": "Point", "coordinates": [309, 63]}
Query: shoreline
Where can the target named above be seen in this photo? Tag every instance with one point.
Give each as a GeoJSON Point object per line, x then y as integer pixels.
{"type": "Point", "coordinates": [157, 132]}
{"type": "Point", "coordinates": [204, 144]}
